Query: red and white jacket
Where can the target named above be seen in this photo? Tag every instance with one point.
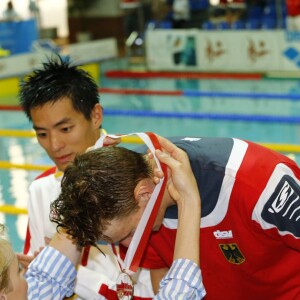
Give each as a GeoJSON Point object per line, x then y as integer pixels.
{"type": "Point", "coordinates": [250, 221]}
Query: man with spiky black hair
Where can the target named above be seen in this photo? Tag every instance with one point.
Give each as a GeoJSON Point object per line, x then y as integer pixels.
{"type": "Point", "coordinates": [62, 102]}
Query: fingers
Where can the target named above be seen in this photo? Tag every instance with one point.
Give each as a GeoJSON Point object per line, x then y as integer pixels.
{"type": "Point", "coordinates": [157, 175]}
{"type": "Point", "coordinates": [37, 252]}
{"type": "Point", "coordinates": [111, 142]}
{"type": "Point", "coordinates": [89, 149]}
{"type": "Point", "coordinates": [164, 157]}
{"type": "Point", "coordinates": [172, 149]}
{"type": "Point", "coordinates": [47, 242]}
{"type": "Point", "coordinates": [24, 260]}
{"type": "Point", "coordinates": [23, 257]}
{"type": "Point", "coordinates": [166, 144]}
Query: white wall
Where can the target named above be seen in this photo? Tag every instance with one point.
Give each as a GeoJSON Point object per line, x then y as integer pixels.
{"type": "Point", "coordinates": [54, 14]}
{"type": "Point", "coordinates": [106, 8]}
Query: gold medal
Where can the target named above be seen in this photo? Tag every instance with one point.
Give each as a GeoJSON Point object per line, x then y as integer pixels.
{"type": "Point", "coordinates": [124, 286]}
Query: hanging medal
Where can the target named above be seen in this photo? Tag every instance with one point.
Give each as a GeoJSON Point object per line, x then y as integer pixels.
{"type": "Point", "coordinates": [125, 287]}
{"type": "Point", "coordinates": [124, 282]}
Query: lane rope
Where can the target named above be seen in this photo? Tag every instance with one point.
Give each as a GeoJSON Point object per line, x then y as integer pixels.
{"type": "Point", "coordinates": [12, 210]}
{"type": "Point", "coordinates": [280, 147]}
{"type": "Point", "coordinates": [185, 93]}
{"type": "Point", "coordinates": [203, 116]}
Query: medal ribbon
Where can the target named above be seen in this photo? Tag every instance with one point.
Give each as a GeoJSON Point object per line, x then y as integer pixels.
{"type": "Point", "coordinates": [141, 236]}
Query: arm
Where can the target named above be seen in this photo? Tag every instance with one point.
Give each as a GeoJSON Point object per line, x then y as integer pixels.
{"type": "Point", "coordinates": [53, 271]}
{"type": "Point", "coordinates": [156, 277]}
{"type": "Point", "coordinates": [64, 243]}
{"type": "Point", "coordinates": [94, 281]}
{"type": "Point", "coordinates": [183, 189]}
{"type": "Point", "coordinates": [41, 192]}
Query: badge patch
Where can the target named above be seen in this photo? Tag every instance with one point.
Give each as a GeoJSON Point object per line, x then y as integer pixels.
{"type": "Point", "coordinates": [283, 207]}
{"type": "Point", "coordinates": [232, 253]}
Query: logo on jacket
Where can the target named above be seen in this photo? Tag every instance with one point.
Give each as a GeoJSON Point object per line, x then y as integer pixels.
{"type": "Point", "coordinates": [227, 234]}
{"type": "Point", "coordinates": [232, 253]}
{"type": "Point", "coordinates": [283, 207]}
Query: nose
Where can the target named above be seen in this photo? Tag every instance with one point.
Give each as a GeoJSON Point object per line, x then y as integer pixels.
{"type": "Point", "coordinates": [126, 242]}
{"type": "Point", "coordinates": [56, 143]}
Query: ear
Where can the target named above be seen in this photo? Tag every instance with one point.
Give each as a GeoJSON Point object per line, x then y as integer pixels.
{"type": "Point", "coordinates": [97, 115]}
{"type": "Point", "coordinates": [143, 191]}
{"type": "Point", "coordinates": [3, 297]}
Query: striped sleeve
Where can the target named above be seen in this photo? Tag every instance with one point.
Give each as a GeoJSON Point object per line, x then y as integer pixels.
{"type": "Point", "coordinates": [183, 281]}
{"type": "Point", "coordinates": [51, 275]}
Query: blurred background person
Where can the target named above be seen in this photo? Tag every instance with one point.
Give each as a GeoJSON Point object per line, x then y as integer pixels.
{"type": "Point", "coordinates": [35, 11]}
{"type": "Point", "coordinates": [9, 13]}
{"type": "Point", "coordinates": [180, 13]}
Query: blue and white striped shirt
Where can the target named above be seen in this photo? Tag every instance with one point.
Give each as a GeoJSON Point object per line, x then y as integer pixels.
{"type": "Point", "coordinates": [183, 281]}
{"type": "Point", "coordinates": [51, 276]}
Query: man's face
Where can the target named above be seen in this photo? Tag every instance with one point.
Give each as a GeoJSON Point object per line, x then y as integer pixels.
{"type": "Point", "coordinates": [64, 132]}
{"type": "Point", "coordinates": [121, 230]}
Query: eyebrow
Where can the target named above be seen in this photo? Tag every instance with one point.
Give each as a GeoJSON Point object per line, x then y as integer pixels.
{"type": "Point", "coordinates": [63, 121]}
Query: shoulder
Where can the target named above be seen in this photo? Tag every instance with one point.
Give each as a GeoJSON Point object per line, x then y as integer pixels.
{"type": "Point", "coordinates": [46, 183]}
{"type": "Point", "coordinates": [46, 173]}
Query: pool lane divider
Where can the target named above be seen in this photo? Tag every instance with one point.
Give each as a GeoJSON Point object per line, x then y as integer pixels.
{"type": "Point", "coordinates": [182, 75]}
{"type": "Point", "coordinates": [200, 116]}
{"type": "Point", "coordinates": [9, 165]}
{"type": "Point", "coordinates": [285, 148]}
{"type": "Point", "coordinates": [12, 210]}
{"type": "Point", "coordinates": [193, 93]}
{"type": "Point", "coordinates": [184, 93]}
{"type": "Point", "coordinates": [119, 91]}
{"type": "Point", "coordinates": [31, 134]}
{"type": "Point", "coordinates": [203, 116]}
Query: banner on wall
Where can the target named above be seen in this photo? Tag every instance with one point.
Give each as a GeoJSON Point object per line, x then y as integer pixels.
{"type": "Point", "coordinates": [172, 49]}
{"type": "Point", "coordinates": [18, 36]}
{"type": "Point", "coordinates": [229, 51]}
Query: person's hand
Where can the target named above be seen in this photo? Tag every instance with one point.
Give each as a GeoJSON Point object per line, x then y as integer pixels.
{"type": "Point", "coordinates": [108, 141]}
{"type": "Point", "coordinates": [182, 185]}
{"type": "Point", "coordinates": [25, 260]}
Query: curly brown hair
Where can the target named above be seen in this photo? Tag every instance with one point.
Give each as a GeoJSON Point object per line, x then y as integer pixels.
{"type": "Point", "coordinates": [96, 188]}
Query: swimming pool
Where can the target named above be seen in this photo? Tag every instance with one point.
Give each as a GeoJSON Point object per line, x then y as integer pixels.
{"type": "Point", "coordinates": [263, 110]}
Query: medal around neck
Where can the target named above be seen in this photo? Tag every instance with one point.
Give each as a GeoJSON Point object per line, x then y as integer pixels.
{"type": "Point", "coordinates": [125, 287]}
